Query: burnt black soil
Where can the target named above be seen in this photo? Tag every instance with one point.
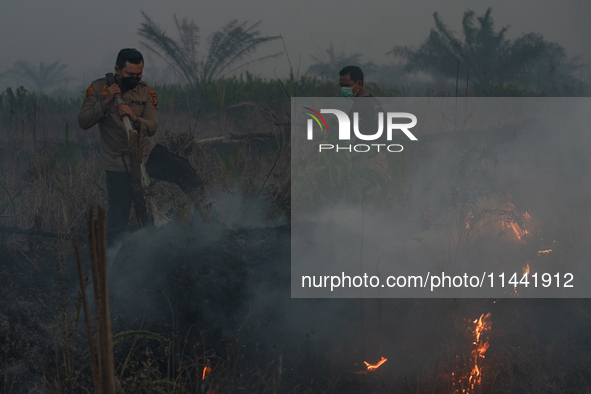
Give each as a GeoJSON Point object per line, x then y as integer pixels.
{"type": "Point", "coordinates": [218, 285]}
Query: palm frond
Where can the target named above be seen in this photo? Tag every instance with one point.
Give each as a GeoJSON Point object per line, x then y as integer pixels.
{"type": "Point", "coordinates": [485, 53]}
{"type": "Point", "coordinates": [232, 44]}
{"type": "Point", "coordinates": [40, 78]}
{"type": "Point", "coordinates": [227, 49]}
{"type": "Point", "coordinates": [167, 48]}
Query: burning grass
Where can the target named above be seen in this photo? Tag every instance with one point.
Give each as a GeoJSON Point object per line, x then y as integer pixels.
{"type": "Point", "coordinates": [200, 309]}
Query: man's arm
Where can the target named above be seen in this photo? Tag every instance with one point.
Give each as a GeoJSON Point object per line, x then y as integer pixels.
{"type": "Point", "coordinates": [148, 121]}
{"type": "Point", "coordinates": [92, 110]}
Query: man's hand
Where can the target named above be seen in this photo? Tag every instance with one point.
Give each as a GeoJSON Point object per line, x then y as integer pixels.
{"type": "Point", "coordinates": [113, 89]}
{"type": "Point", "coordinates": [125, 110]}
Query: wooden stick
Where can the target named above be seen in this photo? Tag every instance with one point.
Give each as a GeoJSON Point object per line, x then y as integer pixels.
{"type": "Point", "coordinates": [135, 161]}
{"type": "Point", "coordinates": [208, 140]}
{"type": "Point", "coordinates": [96, 284]}
{"type": "Point", "coordinates": [98, 386]}
{"type": "Point", "coordinates": [109, 364]}
{"type": "Point", "coordinates": [264, 136]}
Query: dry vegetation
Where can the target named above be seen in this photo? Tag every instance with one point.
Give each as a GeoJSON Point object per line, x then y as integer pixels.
{"type": "Point", "coordinates": [203, 316]}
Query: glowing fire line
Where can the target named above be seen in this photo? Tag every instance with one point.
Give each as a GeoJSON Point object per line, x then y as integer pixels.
{"type": "Point", "coordinates": [372, 367]}
{"type": "Point", "coordinates": [466, 383]}
{"type": "Point", "coordinates": [206, 371]}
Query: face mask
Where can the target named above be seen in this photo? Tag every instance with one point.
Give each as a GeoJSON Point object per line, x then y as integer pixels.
{"type": "Point", "coordinates": [129, 83]}
{"type": "Point", "coordinates": [348, 92]}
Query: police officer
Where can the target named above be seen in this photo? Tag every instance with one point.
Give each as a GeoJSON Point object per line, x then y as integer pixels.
{"type": "Point", "coordinates": [142, 108]}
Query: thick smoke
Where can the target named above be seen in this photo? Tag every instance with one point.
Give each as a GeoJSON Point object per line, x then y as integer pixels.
{"type": "Point", "coordinates": [491, 186]}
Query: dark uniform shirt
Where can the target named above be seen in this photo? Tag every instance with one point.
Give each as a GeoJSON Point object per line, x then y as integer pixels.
{"type": "Point", "coordinates": [368, 108]}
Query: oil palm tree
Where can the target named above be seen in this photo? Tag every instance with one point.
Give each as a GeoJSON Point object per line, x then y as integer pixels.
{"type": "Point", "coordinates": [484, 53]}
{"type": "Point", "coordinates": [39, 78]}
{"type": "Point", "coordinates": [227, 50]}
{"type": "Point", "coordinates": [329, 62]}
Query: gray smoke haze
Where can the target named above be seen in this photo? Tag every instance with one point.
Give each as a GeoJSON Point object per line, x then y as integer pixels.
{"type": "Point", "coordinates": [226, 279]}
{"type": "Point", "coordinates": [232, 284]}
{"type": "Point", "coordinates": [87, 36]}
{"type": "Point", "coordinates": [472, 202]}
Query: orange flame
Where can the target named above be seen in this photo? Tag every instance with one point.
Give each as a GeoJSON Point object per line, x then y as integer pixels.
{"type": "Point", "coordinates": [481, 325]}
{"type": "Point", "coordinates": [371, 367]}
{"type": "Point", "coordinates": [481, 349]}
{"type": "Point", "coordinates": [467, 221]}
{"type": "Point", "coordinates": [206, 371]}
{"type": "Point", "coordinates": [526, 269]}
{"type": "Point", "coordinates": [466, 382]}
{"type": "Point", "coordinates": [547, 251]}
{"type": "Point", "coordinates": [527, 216]}
{"type": "Point", "coordinates": [516, 228]}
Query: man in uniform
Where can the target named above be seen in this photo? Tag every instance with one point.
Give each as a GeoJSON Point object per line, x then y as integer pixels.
{"type": "Point", "coordinates": [351, 81]}
{"type": "Point", "coordinates": [141, 105]}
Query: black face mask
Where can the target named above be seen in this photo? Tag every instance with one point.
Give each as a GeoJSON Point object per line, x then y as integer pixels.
{"type": "Point", "coordinates": [130, 82]}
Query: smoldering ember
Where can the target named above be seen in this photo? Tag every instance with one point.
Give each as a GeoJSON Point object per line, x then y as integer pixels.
{"type": "Point", "coordinates": [198, 287]}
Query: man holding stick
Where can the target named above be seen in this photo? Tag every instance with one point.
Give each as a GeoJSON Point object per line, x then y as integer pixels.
{"type": "Point", "coordinates": [139, 103]}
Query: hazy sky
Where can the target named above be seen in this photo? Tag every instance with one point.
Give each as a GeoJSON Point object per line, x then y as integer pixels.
{"type": "Point", "coordinates": [87, 35]}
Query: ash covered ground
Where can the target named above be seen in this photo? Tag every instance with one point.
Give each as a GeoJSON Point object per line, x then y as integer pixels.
{"type": "Point", "coordinates": [187, 296]}
{"type": "Point", "coordinates": [219, 296]}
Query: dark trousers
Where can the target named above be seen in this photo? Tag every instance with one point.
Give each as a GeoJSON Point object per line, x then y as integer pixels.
{"type": "Point", "coordinates": [161, 165]}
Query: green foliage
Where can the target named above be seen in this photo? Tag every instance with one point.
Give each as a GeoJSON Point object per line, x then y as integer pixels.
{"type": "Point", "coordinates": [227, 50]}
{"type": "Point", "coordinates": [229, 162]}
{"type": "Point", "coordinates": [473, 180]}
{"type": "Point", "coordinates": [62, 183]}
{"type": "Point", "coordinates": [40, 78]}
{"type": "Point", "coordinates": [120, 337]}
{"type": "Point", "coordinates": [328, 64]}
{"type": "Point", "coordinates": [19, 104]}
{"type": "Point", "coordinates": [71, 152]}
{"type": "Point", "coordinates": [485, 56]}
{"type": "Point", "coordinates": [472, 185]}
{"type": "Point", "coordinates": [329, 178]}
{"type": "Point", "coordinates": [207, 97]}
{"type": "Point", "coordinates": [154, 385]}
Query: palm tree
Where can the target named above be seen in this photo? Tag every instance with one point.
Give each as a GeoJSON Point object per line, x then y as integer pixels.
{"type": "Point", "coordinates": [328, 63]}
{"type": "Point", "coordinates": [39, 78]}
{"type": "Point", "coordinates": [227, 49]}
{"type": "Point", "coordinates": [485, 54]}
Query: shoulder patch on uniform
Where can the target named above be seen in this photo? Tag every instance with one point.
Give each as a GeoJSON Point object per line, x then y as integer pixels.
{"type": "Point", "coordinates": [154, 99]}
{"type": "Point", "coordinates": [88, 92]}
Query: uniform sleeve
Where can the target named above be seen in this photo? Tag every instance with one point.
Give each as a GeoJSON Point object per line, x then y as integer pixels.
{"type": "Point", "coordinates": [91, 112]}
{"type": "Point", "coordinates": [149, 117]}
